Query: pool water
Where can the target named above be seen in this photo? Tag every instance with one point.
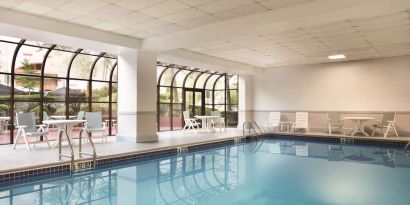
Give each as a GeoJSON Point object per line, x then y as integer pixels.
{"type": "Point", "coordinates": [261, 172]}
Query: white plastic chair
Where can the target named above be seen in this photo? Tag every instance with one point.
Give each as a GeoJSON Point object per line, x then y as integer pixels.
{"type": "Point", "coordinates": [190, 123]}
{"type": "Point", "coordinates": [218, 122]}
{"type": "Point", "coordinates": [334, 122]}
{"type": "Point", "coordinates": [274, 121]}
{"type": "Point", "coordinates": [302, 121]}
{"type": "Point", "coordinates": [387, 122]}
{"type": "Point", "coordinates": [26, 125]}
{"type": "Point", "coordinates": [94, 124]}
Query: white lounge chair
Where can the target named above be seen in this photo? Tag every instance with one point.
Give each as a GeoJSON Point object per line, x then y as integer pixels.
{"type": "Point", "coordinates": [218, 122]}
{"type": "Point", "coordinates": [26, 125]}
{"type": "Point", "coordinates": [387, 122]}
{"type": "Point", "coordinates": [94, 124]}
{"type": "Point", "coordinates": [190, 123]}
{"type": "Point", "coordinates": [334, 122]}
{"type": "Point", "coordinates": [274, 121]}
{"type": "Point", "coordinates": [302, 121]}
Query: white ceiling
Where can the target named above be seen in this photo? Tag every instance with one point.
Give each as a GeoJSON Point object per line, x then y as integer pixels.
{"type": "Point", "coordinates": [375, 37]}
{"type": "Point", "coordinates": [384, 32]}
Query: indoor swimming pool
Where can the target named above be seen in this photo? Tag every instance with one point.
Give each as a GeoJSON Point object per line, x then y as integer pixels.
{"type": "Point", "coordinates": [266, 171]}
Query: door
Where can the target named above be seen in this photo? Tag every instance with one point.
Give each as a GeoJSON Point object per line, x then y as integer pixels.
{"type": "Point", "coordinates": [194, 101]}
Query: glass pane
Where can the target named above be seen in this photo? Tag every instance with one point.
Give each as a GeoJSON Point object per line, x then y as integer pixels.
{"type": "Point", "coordinates": [115, 74]}
{"type": "Point", "coordinates": [232, 116]}
{"type": "Point", "coordinates": [114, 119]}
{"type": "Point", "coordinates": [75, 107]}
{"type": "Point", "coordinates": [29, 60]}
{"type": "Point", "coordinates": [220, 84]}
{"type": "Point", "coordinates": [179, 78]}
{"type": "Point", "coordinates": [114, 92]}
{"type": "Point", "coordinates": [5, 87]}
{"type": "Point", "coordinates": [159, 71]}
{"type": "Point", "coordinates": [78, 91]}
{"type": "Point", "coordinates": [57, 63]}
{"type": "Point", "coordinates": [6, 56]}
{"type": "Point", "coordinates": [54, 89]}
{"type": "Point", "coordinates": [201, 81]}
{"type": "Point", "coordinates": [103, 108]}
{"type": "Point", "coordinates": [232, 97]}
{"type": "Point", "coordinates": [219, 97]}
{"type": "Point", "coordinates": [102, 69]}
{"type": "Point", "coordinates": [11, 39]}
{"type": "Point", "coordinates": [233, 82]}
{"type": "Point", "coordinates": [208, 96]}
{"type": "Point", "coordinates": [26, 88]}
{"type": "Point", "coordinates": [4, 122]}
{"type": "Point", "coordinates": [208, 109]}
{"type": "Point", "coordinates": [177, 116]}
{"type": "Point", "coordinates": [167, 77]}
{"type": "Point", "coordinates": [210, 84]}
{"type": "Point", "coordinates": [164, 94]}
{"type": "Point", "coordinates": [164, 117]}
{"type": "Point", "coordinates": [198, 103]}
{"type": "Point", "coordinates": [220, 108]}
{"type": "Point", "coordinates": [191, 79]}
{"type": "Point", "coordinates": [100, 92]}
{"type": "Point", "coordinates": [189, 101]}
{"type": "Point", "coordinates": [28, 107]}
{"type": "Point", "coordinates": [82, 66]}
{"type": "Point", "coordinates": [54, 110]}
{"type": "Point", "coordinates": [177, 95]}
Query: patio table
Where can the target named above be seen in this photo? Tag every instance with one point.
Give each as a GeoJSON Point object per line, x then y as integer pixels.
{"type": "Point", "coordinates": [61, 117]}
{"type": "Point", "coordinates": [359, 124]}
{"type": "Point", "coordinates": [205, 122]}
{"type": "Point", "coordinates": [62, 125]}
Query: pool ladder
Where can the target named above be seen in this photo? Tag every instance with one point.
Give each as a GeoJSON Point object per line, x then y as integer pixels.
{"type": "Point", "coordinates": [81, 153]}
{"type": "Point", "coordinates": [251, 125]}
{"type": "Point", "coordinates": [407, 145]}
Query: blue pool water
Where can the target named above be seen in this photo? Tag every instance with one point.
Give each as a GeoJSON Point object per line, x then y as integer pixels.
{"type": "Point", "coordinates": [262, 172]}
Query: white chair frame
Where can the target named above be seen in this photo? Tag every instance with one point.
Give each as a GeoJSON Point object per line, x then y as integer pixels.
{"type": "Point", "coordinates": [23, 131]}
{"type": "Point", "coordinates": [302, 121]}
{"type": "Point", "coordinates": [388, 122]}
{"type": "Point", "coordinates": [101, 129]}
{"type": "Point", "coordinates": [190, 123]}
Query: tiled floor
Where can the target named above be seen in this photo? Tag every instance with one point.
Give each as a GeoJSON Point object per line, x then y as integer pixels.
{"type": "Point", "coordinates": [22, 158]}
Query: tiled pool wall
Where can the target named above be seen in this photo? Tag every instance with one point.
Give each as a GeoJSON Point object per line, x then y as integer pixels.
{"type": "Point", "coordinates": [22, 176]}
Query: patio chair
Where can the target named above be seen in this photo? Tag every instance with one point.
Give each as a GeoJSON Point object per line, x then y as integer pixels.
{"type": "Point", "coordinates": [94, 124]}
{"type": "Point", "coordinates": [218, 122]}
{"type": "Point", "coordinates": [80, 116]}
{"type": "Point", "coordinates": [302, 121]}
{"type": "Point", "coordinates": [334, 122]}
{"type": "Point", "coordinates": [26, 125]}
{"type": "Point", "coordinates": [274, 121]}
{"type": "Point", "coordinates": [387, 123]}
{"type": "Point", "coordinates": [189, 122]}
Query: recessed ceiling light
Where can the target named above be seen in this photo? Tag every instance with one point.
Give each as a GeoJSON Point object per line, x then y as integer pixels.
{"type": "Point", "coordinates": [337, 56]}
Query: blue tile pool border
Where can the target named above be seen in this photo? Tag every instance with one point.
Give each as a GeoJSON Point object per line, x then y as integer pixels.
{"type": "Point", "coordinates": [21, 176]}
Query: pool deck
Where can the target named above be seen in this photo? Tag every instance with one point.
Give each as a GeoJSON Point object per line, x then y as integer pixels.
{"type": "Point", "coordinates": [20, 158]}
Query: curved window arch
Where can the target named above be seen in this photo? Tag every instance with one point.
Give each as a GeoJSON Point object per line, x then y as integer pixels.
{"type": "Point", "coordinates": [46, 79]}
{"type": "Point", "coordinates": [194, 90]}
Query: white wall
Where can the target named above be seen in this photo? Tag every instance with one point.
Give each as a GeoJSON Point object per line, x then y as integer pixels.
{"type": "Point", "coordinates": [368, 85]}
{"type": "Point", "coordinates": [365, 88]}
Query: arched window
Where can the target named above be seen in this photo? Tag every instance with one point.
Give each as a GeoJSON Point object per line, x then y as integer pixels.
{"type": "Point", "coordinates": [197, 91]}
{"type": "Point", "coordinates": [53, 81]}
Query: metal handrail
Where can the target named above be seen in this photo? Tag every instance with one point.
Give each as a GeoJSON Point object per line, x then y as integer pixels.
{"type": "Point", "coordinates": [80, 153]}
{"type": "Point", "coordinates": [407, 145]}
{"type": "Point", "coordinates": [70, 145]}
{"type": "Point", "coordinates": [251, 125]}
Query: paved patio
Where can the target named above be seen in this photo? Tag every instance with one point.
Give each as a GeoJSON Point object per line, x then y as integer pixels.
{"type": "Point", "coordinates": [21, 158]}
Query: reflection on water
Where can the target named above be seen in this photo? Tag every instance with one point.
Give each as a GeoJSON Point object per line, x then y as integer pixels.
{"type": "Point", "coordinates": [260, 172]}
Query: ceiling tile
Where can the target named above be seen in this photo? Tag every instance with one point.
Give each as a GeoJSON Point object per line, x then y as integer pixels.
{"type": "Point", "coordinates": [201, 21]}
{"type": "Point", "coordinates": [125, 31]}
{"type": "Point", "coordinates": [52, 4]}
{"type": "Point", "coordinates": [32, 8]}
{"type": "Point", "coordinates": [10, 3]}
{"type": "Point", "coordinates": [85, 21]}
{"type": "Point", "coordinates": [183, 15]}
{"type": "Point", "coordinates": [112, 10]}
{"type": "Point", "coordinates": [163, 30]}
{"type": "Point", "coordinates": [61, 15]}
{"type": "Point", "coordinates": [222, 5]}
{"type": "Point", "coordinates": [138, 4]}
{"type": "Point", "coordinates": [107, 26]}
{"type": "Point", "coordinates": [276, 4]}
{"type": "Point", "coordinates": [150, 24]}
{"type": "Point", "coordinates": [130, 19]}
{"type": "Point", "coordinates": [142, 35]}
{"type": "Point", "coordinates": [241, 11]}
{"type": "Point", "coordinates": [83, 7]}
{"type": "Point", "coordinates": [196, 2]}
{"type": "Point", "coordinates": [164, 8]}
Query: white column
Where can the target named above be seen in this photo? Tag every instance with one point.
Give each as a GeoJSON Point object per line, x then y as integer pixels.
{"type": "Point", "coordinates": [137, 96]}
{"type": "Point", "coordinates": [245, 99]}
